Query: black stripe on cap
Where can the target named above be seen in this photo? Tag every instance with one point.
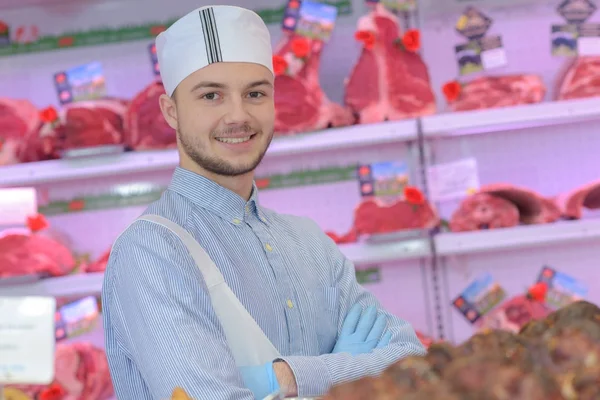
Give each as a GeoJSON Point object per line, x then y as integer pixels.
{"type": "Point", "coordinates": [211, 35]}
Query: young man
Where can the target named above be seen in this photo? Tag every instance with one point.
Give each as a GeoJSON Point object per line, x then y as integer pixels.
{"type": "Point", "coordinates": [161, 328]}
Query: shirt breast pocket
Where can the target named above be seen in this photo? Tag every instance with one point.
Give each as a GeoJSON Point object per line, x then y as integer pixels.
{"type": "Point", "coordinates": [328, 301]}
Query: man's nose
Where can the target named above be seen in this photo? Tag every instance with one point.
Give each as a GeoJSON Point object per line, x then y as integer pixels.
{"type": "Point", "coordinates": [236, 112]}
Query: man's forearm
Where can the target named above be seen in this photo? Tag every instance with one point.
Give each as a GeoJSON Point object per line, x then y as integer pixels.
{"type": "Point", "coordinates": [286, 379]}
{"type": "Point", "coordinates": [314, 375]}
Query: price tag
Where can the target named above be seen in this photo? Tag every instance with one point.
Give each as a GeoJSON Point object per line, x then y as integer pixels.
{"type": "Point", "coordinates": [384, 179]}
{"type": "Point", "coordinates": [16, 204]}
{"type": "Point", "coordinates": [311, 19]}
{"type": "Point", "coordinates": [562, 288]}
{"type": "Point", "coordinates": [479, 298]}
{"type": "Point", "coordinates": [454, 180]}
{"type": "Point", "coordinates": [27, 340]}
{"type": "Point", "coordinates": [85, 82]}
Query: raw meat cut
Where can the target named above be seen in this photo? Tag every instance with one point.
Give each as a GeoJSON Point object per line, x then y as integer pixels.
{"type": "Point", "coordinates": [87, 124]}
{"type": "Point", "coordinates": [373, 216]}
{"type": "Point", "coordinates": [22, 254]}
{"type": "Point", "coordinates": [19, 122]}
{"type": "Point", "coordinates": [349, 237]}
{"type": "Point", "coordinates": [81, 374]}
{"type": "Point", "coordinates": [581, 79]}
{"type": "Point", "coordinates": [572, 203]}
{"type": "Point", "coordinates": [503, 205]}
{"type": "Point", "coordinates": [387, 82]}
{"type": "Point", "coordinates": [484, 211]}
{"type": "Point", "coordinates": [99, 265]}
{"type": "Point", "coordinates": [499, 91]}
{"type": "Point", "coordinates": [300, 103]}
{"type": "Point", "coordinates": [533, 207]}
{"type": "Point", "coordinates": [145, 126]}
{"type": "Point", "coordinates": [513, 314]}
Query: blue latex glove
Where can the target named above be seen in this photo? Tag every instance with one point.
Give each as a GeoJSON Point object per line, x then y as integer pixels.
{"type": "Point", "coordinates": [261, 380]}
{"type": "Point", "coordinates": [362, 332]}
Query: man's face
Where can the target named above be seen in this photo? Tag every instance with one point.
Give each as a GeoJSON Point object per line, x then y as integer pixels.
{"type": "Point", "coordinates": [224, 116]}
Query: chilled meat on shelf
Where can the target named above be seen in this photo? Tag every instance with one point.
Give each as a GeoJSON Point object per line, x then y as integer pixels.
{"type": "Point", "coordinates": [300, 103]}
{"type": "Point", "coordinates": [19, 124]}
{"type": "Point", "coordinates": [99, 265]}
{"type": "Point", "coordinates": [145, 126]}
{"type": "Point", "coordinates": [581, 79]}
{"type": "Point", "coordinates": [561, 362]}
{"type": "Point", "coordinates": [495, 91]}
{"type": "Point", "coordinates": [87, 124]}
{"type": "Point", "coordinates": [374, 216]}
{"type": "Point", "coordinates": [514, 314]}
{"type": "Point", "coordinates": [573, 203]}
{"type": "Point", "coordinates": [389, 80]}
{"type": "Point", "coordinates": [81, 373]}
{"type": "Point", "coordinates": [484, 211]}
{"type": "Point", "coordinates": [31, 254]}
{"type": "Point", "coordinates": [533, 207]}
{"type": "Point", "coordinates": [503, 205]}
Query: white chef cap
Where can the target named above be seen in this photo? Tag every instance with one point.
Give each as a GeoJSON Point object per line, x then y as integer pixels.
{"type": "Point", "coordinates": [208, 35]}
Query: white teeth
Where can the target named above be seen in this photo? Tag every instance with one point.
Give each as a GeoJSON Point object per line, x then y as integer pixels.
{"type": "Point", "coordinates": [234, 140]}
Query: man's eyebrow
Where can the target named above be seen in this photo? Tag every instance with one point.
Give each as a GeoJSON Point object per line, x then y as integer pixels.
{"type": "Point", "coordinates": [206, 84]}
{"type": "Point", "coordinates": [263, 82]}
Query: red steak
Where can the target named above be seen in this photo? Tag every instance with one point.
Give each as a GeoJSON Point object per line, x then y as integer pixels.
{"type": "Point", "coordinates": [387, 82]}
{"type": "Point", "coordinates": [572, 203]}
{"type": "Point", "coordinates": [581, 80]}
{"type": "Point", "coordinates": [499, 91]}
{"type": "Point", "coordinates": [145, 126]}
{"type": "Point", "coordinates": [300, 103]}
{"type": "Point", "coordinates": [19, 124]}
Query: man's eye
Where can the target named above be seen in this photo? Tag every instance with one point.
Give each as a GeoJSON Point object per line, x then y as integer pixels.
{"type": "Point", "coordinates": [256, 95]}
{"type": "Point", "coordinates": [210, 96]}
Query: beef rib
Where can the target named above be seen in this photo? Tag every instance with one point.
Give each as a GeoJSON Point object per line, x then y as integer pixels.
{"type": "Point", "coordinates": [581, 80]}
{"type": "Point", "coordinates": [88, 124]}
{"type": "Point", "coordinates": [533, 207]}
{"type": "Point", "coordinates": [300, 103]}
{"type": "Point", "coordinates": [387, 82]}
{"type": "Point", "coordinates": [29, 254]}
{"type": "Point", "coordinates": [145, 126]}
{"type": "Point", "coordinates": [572, 203]}
{"type": "Point", "coordinates": [19, 122]}
{"type": "Point", "coordinates": [499, 91]}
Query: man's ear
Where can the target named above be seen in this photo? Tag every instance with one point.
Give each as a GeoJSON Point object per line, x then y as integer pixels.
{"type": "Point", "coordinates": [169, 110]}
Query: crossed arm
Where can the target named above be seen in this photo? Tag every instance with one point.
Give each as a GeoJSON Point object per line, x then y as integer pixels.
{"type": "Point", "coordinates": [156, 296]}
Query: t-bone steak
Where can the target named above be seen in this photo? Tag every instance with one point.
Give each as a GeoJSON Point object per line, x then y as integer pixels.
{"type": "Point", "coordinates": [387, 82]}
{"type": "Point", "coordinates": [581, 80]}
{"type": "Point", "coordinates": [145, 126]}
{"type": "Point", "coordinates": [499, 91]}
{"type": "Point", "coordinates": [300, 103]}
{"type": "Point", "coordinates": [19, 123]}
{"type": "Point", "coordinates": [572, 203]}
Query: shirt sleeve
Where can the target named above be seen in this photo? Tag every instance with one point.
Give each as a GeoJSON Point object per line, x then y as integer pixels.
{"type": "Point", "coordinates": [315, 375]}
{"type": "Point", "coordinates": [162, 316]}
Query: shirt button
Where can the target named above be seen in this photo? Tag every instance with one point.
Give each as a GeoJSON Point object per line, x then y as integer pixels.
{"type": "Point", "coordinates": [268, 247]}
{"type": "Point", "coordinates": [236, 221]}
{"type": "Point", "coordinates": [290, 304]}
{"type": "Point", "coordinates": [247, 209]}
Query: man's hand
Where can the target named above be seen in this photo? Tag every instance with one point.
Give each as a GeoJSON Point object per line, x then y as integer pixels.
{"type": "Point", "coordinates": [261, 380]}
{"type": "Point", "coordinates": [362, 332]}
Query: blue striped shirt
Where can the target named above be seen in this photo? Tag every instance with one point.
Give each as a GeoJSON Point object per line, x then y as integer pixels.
{"type": "Point", "coordinates": [160, 328]}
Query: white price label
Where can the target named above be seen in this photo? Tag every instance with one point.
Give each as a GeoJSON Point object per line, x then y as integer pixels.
{"type": "Point", "coordinates": [453, 180]}
{"type": "Point", "coordinates": [27, 340]}
{"type": "Point", "coordinates": [588, 46]}
{"type": "Point", "coordinates": [16, 204]}
{"type": "Point", "coordinates": [494, 58]}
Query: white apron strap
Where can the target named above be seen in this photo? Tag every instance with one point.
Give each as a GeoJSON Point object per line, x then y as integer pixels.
{"type": "Point", "coordinates": [248, 343]}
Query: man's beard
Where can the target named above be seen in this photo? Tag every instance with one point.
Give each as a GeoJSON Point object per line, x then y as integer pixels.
{"type": "Point", "coordinates": [218, 166]}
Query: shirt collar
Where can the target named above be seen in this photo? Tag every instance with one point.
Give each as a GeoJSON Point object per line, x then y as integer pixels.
{"type": "Point", "coordinates": [215, 198]}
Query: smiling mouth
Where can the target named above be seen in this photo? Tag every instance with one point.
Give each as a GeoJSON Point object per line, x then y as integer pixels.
{"type": "Point", "coordinates": [235, 140]}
